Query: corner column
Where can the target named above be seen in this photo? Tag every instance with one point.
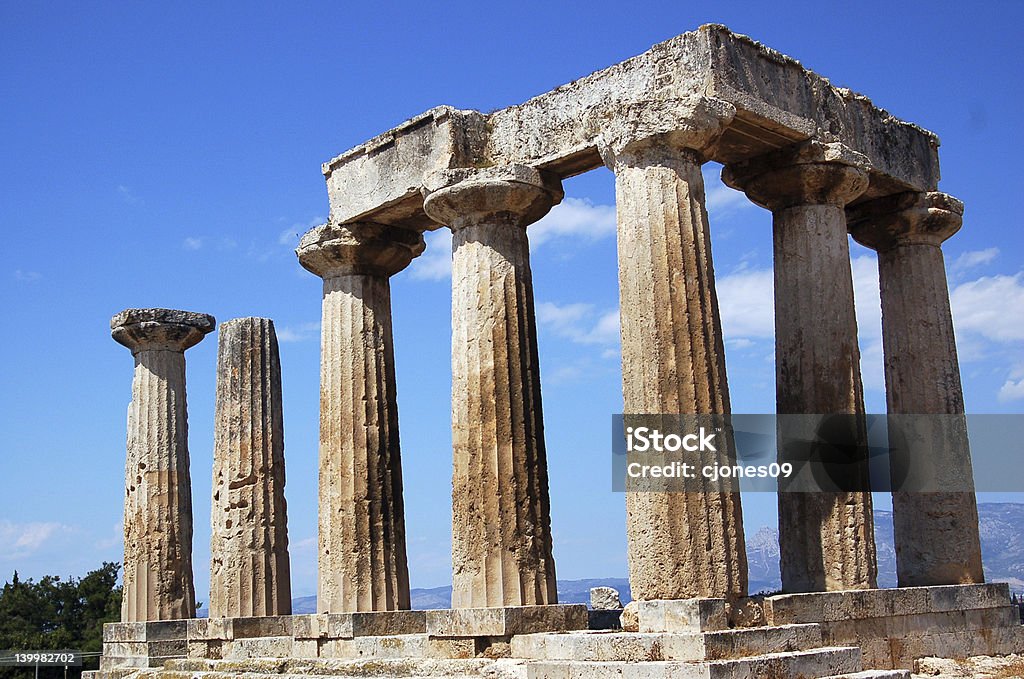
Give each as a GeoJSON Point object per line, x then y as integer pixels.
{"type": "Point", "coordinates": [362, 557]}
{"type": "Point", "coordinates": [680, 544]}
{"type": "Point", "coordinates": [158, 580]}
{"type": "Point", "coordinates": [826, 537]}
{"type": "Point", "coordinates": [501, 523]}
{"type": "Point", "coordinates": [937, 537]}
{"type": "Point", "coordinates": [250, 573]}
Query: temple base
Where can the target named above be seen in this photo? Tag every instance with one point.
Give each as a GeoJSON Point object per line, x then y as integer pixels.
{"type": "Point", "coordinates": [862, 634]}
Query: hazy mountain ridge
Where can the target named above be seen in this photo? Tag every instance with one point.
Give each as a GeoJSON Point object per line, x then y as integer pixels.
{"type": "Point", "coordinates": [1002, 546]}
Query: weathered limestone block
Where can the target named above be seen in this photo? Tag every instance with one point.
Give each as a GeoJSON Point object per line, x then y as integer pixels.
{"type": "Point", "coordinates": [778, 102]}
{"type": "Point", "coordinates": [826, 538]}
{"type": "Point", "coordinates": [506, 621]}
{"type": "Point", "coordinates": [681, 544]}
{"type": "Point", "coordinates": [937, 538]}
{"type": "Point", "coordinates": [362, 558]}
{"type": "Point", "coordinates": [501, 521]}
{"type": "Point", "coordinates": [158, 582]}
{"type": "Point", "coordinates": [249, 566]}
{"type": "Point", "coordinates": [605, 599]}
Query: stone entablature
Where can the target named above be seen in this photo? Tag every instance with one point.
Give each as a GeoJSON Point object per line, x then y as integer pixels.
{"type": "Point", "coordinates": [777, 102]}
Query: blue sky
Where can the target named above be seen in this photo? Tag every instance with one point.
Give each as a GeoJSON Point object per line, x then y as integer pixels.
{"type": "Point", "coordinates": [159, 155]}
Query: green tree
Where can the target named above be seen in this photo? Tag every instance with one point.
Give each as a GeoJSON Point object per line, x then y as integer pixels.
{"type": "Point", "coordinates": [56, 614]}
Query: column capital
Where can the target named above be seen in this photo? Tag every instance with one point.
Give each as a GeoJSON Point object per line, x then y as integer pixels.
{"type": "Point", "coordinates": [905, 218]}
{"type": "Point", "coordinates": [516, 195]}
{"type": "Point", "coordinates": [810, 173]}
{"type": "Point", "coordinates": [332, 250]}
{"type": "Point", "coordinates": [160, 329]}
{"type": "Point", "coordinates": [654, 131]}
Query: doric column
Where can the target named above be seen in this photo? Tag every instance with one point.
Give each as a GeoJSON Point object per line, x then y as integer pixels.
{"type": "Point", "coordinates": [501, 525]}
{"type": "Point", "coordinates": [362, 556]}
{"type": "Point", "coordinates": [249, 568]}
{"type": "Point", "coordinates": [826, 538]}
{"type": "Point", "coordinates": [680, 544]}
{"type": "Point", "coordinates": [158, 582]}
{"type": "Point", "coordinates": [937, 540]}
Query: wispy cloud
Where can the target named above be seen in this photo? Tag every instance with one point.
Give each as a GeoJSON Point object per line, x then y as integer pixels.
{"type": "Point", "coordinates": [27, 276]}
{"type": "Point", "coordinates": [290, 236]}
{"type": "Point", "coordinates": [576, 218]}
{"type": "Point", "coordinates": [746, 304]}
{"type": "Point", "coordinates": [580, 323]}
{"type": "Point", "coordinates": [127, 195]}
{"type": "Point", "coordinates": [991, 307]}
{"type": "Point", "coordinates": [192, 243]}
{"type": "Point", "coordinates": [435, 264]}
{"type": "Point", "coordinates": [23, 539]}
{"type": "Point", "coordinates": [721, 200]}
{"type": "Point", "coordinates": [969, 260]}
{"type": "Point", "coordinates": [299, 333]}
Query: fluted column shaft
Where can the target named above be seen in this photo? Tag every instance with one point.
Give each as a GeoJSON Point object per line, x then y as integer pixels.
{"type": "Point", "coordinates": [681, 544]}
{"type": "Point", "coordinates": [158, 581]}
{"type": "Point", "coordinates": [826, 538]}
{"type": "Point", "coordinates": [362, 555]}
{"type": "Point", "coordinates": [936, 532]}
{"type": "Point", "coordinates": [501, 526]}
{"type": "Point", "coordinates": [249, 566]}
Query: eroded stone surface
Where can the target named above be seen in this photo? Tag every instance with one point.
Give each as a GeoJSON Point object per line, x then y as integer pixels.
{"type": "Point", "coordinates": [158, 580]}
{"type": "Point", "coordinates": [777, 103]}
{"type": "Point", "coordinates": [501, 522]}
{"type": "Point", "coordinates": [681, 544]}
{"type": "Point", "coordinates": [362, 557]}
{"type": "Point", "coordinates": [826, 538]}
{"type": "Point", "coordinates": [936, 532]}
{"type": "Point", "coordinates": [249, 565]}
{"type": "Point", "coordinates": [605, 599]}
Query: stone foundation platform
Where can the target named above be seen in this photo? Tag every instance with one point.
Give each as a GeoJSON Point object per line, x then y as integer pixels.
{"type": "Point", "coordinates": [865, 634]}
{"type": "Point", "coordinates": [894, 627]}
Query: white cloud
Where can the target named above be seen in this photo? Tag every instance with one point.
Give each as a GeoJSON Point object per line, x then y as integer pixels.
{"type": "Point", "coordinates": [435, 264]}
{"type": "Point", "coordinates": [576, 218]}
{"type": "Point", "coordinates": [991, 307]}
{"type": "Point", "coordinates": [969, 260]}
{"type": "Point", "coordinates": [128, 195]}
{"type": "Point", "coordinates": [299, 333]}
{"type": "Point", "coordinates": [192, 243]}
{"type": "Point", "coordinates": [290, 236]}
{"type": "Point", "coordinates": [1012, 390]}
{"type": "Point", "coordinates": [23, 539]}
{"type": "Point", "coordinates": [580, 323]}
{"type": "Point", "coordinates": [27, 276]}
{"type": "Point", "coordinates": [746, 304]}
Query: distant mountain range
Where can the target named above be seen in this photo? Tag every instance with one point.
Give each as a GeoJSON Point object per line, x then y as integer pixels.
{"type": "Point", "coordinates": [1002, 546]}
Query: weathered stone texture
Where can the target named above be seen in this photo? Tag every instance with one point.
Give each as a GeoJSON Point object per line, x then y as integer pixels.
{"type": "Point", "coordinates": [362, 558]}
{"type": "Point", "coordinates": [683, 544]}
{"type": "Point", "coordinates": [937, 537]}
{"type": "Point", "coordinates": [158, 582]}
{"type": "Point", "coordinates": [826, 538]}
{"type": "Point", "coordinates": [501, 525]}
{"type": "Point", "coordinates": [778, 102]}
{"type": "Point", "coordinates": [249, 565]}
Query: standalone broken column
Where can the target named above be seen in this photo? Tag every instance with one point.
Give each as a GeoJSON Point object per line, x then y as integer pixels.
{"type": "Point", "coordinates": [681, 544]}
{"type": "Point", "coordinates": [937, 540]}
{"type": "Point", "coordinates": [362, 559]}
{"type": "Point", "coordinates": [249, 569]}
{"type": "Point", "coordinates": [501, 532]}
{"type": "Point", "coordinates": [158, 581]}
{"type": "Point", "coordinates": [826, 538]}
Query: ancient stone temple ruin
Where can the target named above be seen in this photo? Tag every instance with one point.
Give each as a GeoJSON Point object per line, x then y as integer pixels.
{"type": "Point", "coordinates": [825, 161]}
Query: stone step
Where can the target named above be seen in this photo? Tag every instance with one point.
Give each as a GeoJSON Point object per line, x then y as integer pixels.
{"type": "Point", "coordinates": [640, 647]}
{"type": "Point", "coordinates": [874, 674]}
{"type": "Point", "coordinates": [822, 662]}
{"type": "Point", "coordinates": [293, 667]}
